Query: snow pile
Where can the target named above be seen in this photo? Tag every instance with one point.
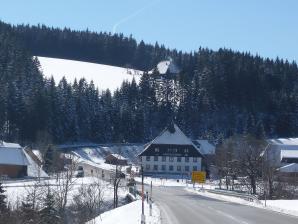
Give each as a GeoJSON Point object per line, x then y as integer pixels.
{"type": "Point", "coordinates": [285, 206]}
{"type": "Point", "coordinates": [129, 214]}
{"type": "Point", "coordinates": [103, 76]}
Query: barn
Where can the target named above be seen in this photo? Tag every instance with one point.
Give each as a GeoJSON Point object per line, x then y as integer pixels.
{"type": "Point", "coordinates": [116, 159]}
{"type": "Point", "coordinates": [13, 160]}
{"type": "Point", "coordinates": [171, 153]}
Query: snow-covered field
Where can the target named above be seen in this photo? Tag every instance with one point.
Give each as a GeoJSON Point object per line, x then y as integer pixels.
{"type": "Point", "coordinates": [17, 191]}
{"type": "Point", "coordinates": [129, 214]}
{"type": "Point", "coordinates": [103, 76]}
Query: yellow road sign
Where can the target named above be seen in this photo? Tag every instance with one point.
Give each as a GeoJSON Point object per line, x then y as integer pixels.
{"type": "Point", "coordinates": [198, 177]}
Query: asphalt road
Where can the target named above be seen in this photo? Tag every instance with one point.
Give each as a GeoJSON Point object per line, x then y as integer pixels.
{"type": "Point", "coordinates": [179, 206]}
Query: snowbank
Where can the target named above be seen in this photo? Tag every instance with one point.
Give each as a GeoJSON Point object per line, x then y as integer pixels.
{"type": "Point", "coordinates": [129, 214]}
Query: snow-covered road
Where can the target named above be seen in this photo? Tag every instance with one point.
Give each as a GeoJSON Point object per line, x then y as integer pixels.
{"type": "Point", "coordinates": [180, 206]}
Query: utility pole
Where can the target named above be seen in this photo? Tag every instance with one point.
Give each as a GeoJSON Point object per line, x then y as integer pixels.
{"type": "Point", "coordinates": [150, 200]}
{"type": "Point", "coordinates": [143, 214]}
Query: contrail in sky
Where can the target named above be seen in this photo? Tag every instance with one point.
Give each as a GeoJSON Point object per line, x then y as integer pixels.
{"type": "Point", "coordinates": [125, 19]}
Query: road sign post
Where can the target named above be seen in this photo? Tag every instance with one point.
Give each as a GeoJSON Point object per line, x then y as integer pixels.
{"type": "Point", "coordinates": [198, 177]}
{"type": "Point", "coordinates": [143, 214]}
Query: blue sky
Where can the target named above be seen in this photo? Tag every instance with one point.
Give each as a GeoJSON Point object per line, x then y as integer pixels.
{"type": "Point", "coordinates": [266, 27]}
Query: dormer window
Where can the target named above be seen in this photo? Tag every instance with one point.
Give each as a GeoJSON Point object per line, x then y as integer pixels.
{"type": "Point", "coordinates": [156, 150]}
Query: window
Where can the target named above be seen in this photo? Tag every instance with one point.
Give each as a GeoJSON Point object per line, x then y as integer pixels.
{"type": "Point", "coordinates": [147, 167]}
{"type": "Point", "coordinates": [195, 168]}
{"type": "Point", "coordinates": [171, 159]}
{"type": "Point", "coordinates": [163, 167]}
{"type": "Point", "coordinates": [141, 158]}
{"type": "Point", "coordinates": [171, 168]}
{"type": "Point", "coordinates": [156, 150]}
{"type": "Point", "coordinates": [155, 167]}
{"type": "Point", "coordinates": [195, 159]}
{"type": "Point", "coordinates": [186, 168]}
{"type": "Point", "coordinates": [155, 158]}
{"type": "Point", "coordinates": [178, 159]}
{"type": "Point", "coordinates": [185, 150]}
{"type": "Point", "coordinates": [178, 168]}
{"type": "Point", "coordinates": [147, 158]}
{"type": "Point", "coordinates": [164, 158]}
{"type": "Point", "coordinates": [187, 159]}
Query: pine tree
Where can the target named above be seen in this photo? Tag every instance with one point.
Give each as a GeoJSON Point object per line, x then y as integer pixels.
{"type": "Point", "coordinates": [49, 159]}
{"type": "Point", "coordinates": [3, 203]}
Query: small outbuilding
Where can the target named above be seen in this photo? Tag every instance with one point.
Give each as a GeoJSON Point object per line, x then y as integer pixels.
{"type": "Point", "coordinates": [13, 160]}
{"type": "Point", "coordinates": [116, 159]}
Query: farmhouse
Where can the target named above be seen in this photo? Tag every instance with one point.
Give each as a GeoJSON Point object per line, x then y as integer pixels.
{"type": "Point", "coordinates": [13, 160]}
{"type": "Point", "coordinates": [171, 153]}
{"type": "Point", "coordinates": [282, 152]}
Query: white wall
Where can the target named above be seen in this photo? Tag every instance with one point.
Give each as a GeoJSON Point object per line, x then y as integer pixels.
{"type": "Point", "coordinates": [167, 163]}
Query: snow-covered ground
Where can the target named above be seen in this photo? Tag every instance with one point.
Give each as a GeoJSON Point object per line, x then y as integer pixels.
{"type": "Point", "coordinates": [96, 155]}
{"type": "Point", "coordinates": [129, 214]}
{"type": "Point", "coordinates": [162, 182]}
{"type": "Point", "coordinates": [103, 76]}
{"type": "Point", "coordinates": [17, 191]}
{"type": "Point", "coordinates": [168, 182]}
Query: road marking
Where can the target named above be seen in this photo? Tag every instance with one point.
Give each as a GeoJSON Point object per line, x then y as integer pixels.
{"type": "Point", "coordinates": [228, 216]}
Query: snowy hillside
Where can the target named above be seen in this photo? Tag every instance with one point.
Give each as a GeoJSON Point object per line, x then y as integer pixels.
{"type": "Point", "coordinates": [96, 154]}
{"type": "Point", "coordinates": [103, 76]}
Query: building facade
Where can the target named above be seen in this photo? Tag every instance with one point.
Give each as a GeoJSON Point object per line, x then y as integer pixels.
{"type": "Point", "coordinates": [171, 153]}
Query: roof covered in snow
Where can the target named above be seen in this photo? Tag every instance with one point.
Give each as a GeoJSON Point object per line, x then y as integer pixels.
{"type": "Point", "coordinates": [12, 154]}
{"type": "Point", "coordinates": [177, 137]}
{"type": "Point", "coordinates": [118, 156]}
{"type": "Point", "coordinates": [290, 168]}
{"type": "Point", "coordinates": [206, 148]}
{"type": "Point", "coordinates": [284, 141]}
{"type": "Point", "coordinates": [173, 142]}
{"type": "Point", "coordinates": [289, 154]}
{"type": "Point", "coordinates": [9, 145]}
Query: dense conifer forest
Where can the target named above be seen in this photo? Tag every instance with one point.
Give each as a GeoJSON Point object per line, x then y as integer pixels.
{"type": "Point", "coordinates": [216, 94]}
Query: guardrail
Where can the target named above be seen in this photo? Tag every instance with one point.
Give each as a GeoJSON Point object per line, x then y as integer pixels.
{"type": "Point", "coordinates": [247, 197]}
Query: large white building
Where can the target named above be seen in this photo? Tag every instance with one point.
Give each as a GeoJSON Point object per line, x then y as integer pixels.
{"type": "Point", "coordinates": [171, 153]}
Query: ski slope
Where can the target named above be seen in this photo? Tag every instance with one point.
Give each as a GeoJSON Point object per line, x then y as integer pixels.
{"type": "Point", "coordinates": [103, 76]}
